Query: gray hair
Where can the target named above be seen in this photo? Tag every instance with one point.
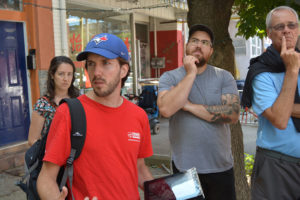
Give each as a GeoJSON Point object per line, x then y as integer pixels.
{"type": "Point", "coordinates": [269, 16]}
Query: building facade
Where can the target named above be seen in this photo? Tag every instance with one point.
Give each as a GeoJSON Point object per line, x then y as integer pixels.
{"type": "Point", "coordinates": [150, 29]}
{"type": "Point", "coordinates": [33, 32]}
{"type": "Point", "coordinates": [26, 34]}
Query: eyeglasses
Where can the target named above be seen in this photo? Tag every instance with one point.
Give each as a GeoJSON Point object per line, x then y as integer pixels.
{"type": "Point", "coordinates": [280, 27]}
{"type": "Point", "coordinates": [196, 42]}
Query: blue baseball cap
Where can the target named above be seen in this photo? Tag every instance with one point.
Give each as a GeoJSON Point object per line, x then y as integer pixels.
{"type": "Point", "coordinates": [106, 45]}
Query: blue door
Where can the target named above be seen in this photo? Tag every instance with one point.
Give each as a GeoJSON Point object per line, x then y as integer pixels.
{"type": "Point", "coordinates": [14, 105]}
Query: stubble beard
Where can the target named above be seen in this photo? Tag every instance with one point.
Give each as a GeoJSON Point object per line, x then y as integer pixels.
{"type": "Point", "coordinates": [110, 88]}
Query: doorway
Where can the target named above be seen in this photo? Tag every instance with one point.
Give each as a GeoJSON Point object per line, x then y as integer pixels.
{"type": "Point", "coordinates": [14, 105]}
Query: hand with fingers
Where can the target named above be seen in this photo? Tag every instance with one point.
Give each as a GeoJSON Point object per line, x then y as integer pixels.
{"type": "Point", "coordinates": [63, 194]}
{"type": "Point", "coordinates": [189, 63]}
{"type": "Point", "coordinates": [290, 57]}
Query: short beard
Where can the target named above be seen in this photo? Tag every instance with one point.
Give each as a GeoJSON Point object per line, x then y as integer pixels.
{"type": "Point", "coordinates": [201, 63]}
{"type": "Point", "coordinates": [111, 88]}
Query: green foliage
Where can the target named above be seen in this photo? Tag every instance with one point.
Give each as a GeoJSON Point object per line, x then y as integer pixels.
{"type": "Point", "coordinates": [253, 14]}
{"type": "Point", "coordinates": [249, 161]}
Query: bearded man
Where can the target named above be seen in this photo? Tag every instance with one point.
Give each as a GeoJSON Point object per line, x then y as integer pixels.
{"type": "Point", "coordinates": [201, 101]}
{"type": "Point", "coordinates": [111, 165]}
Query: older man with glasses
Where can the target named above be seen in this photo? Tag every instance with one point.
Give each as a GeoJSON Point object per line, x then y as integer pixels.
{"type": "Point", "coordinates": [272, 89]}
{"type": "Point", "coordinates": [201, 101]}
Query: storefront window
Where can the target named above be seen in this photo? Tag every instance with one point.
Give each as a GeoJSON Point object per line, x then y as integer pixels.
{"type": "Point", "coordinates": [82, 28]}
{"type": "Point", "coordinates": [11, 5]}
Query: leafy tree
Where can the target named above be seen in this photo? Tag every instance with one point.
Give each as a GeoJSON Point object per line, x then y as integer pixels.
{"type": "Point", "coordinates": [216, 14]}
{"type": "Point", "coordinates": [253, 14]}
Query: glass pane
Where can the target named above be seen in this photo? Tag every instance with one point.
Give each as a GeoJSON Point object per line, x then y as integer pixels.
{"type": "Point", "coordinates": [253, 51]}
{"type": "Point", "coordinates": [258, 51]}
{"type": "Point", "coordinates": [11, 5]}
{"type": "Point", "coordinates": [258, 42]}
{"type": "Point", "coordinates": [253, 41]}
{"type": "Point", "coordinates": [75, 36]}
{"type": "Point", "coordinates": [82, 27]}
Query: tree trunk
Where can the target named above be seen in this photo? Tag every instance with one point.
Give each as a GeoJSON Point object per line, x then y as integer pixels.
{"type": "Point", "coordinates": [216, 14]}
{"type": "Point", "coordinates": [237, 147]}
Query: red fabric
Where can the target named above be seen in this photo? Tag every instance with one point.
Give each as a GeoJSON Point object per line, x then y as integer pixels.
{"type": "Point", "coordinates": [107, 166]}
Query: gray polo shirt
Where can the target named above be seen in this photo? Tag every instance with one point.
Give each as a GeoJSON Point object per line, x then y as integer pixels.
{"type": "Point", "coordinates": [195, 142]}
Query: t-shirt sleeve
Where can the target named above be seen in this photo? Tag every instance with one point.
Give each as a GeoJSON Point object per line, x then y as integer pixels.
{"type": "Point", "coordinates": [43, 107]}
{"type": "Point", "coordinates": [58, 146]}
{"type": "Point", "coordinates": [229, 84]}
{"type": "Point", "coordinates": [264, 93]}
{"type": "Point", "coordinates": [146, 146]}
{"type": "Point", "coordinates": [165, 82]}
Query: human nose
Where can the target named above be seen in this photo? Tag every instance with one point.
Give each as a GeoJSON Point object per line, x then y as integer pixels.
{"type": "Point", "coordinates": [198, 43]}
{"type": "Point", "coordinates": [65, 77]}
{"type": "Point", "coordinates": [286, 28]}
{"type": "Point", "coordinates": [98, 70]}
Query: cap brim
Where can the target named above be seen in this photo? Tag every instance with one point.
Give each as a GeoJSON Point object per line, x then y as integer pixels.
{"type": "Point", "coordinates": [102, 52]}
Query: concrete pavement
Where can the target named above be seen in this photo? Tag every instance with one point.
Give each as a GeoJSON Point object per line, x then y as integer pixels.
{"type": "Point", "coordinates": [8, 190]}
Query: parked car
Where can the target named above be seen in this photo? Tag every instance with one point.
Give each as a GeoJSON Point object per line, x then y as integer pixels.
{"type": "Point", "coordinates": [240, 84]}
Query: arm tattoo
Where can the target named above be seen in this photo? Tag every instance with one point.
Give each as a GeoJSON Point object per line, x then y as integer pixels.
{"type": "Point", "coordinates": [222, 113]}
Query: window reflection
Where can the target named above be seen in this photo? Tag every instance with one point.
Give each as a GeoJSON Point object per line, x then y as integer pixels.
{"type": "Point", "coordinates": [82, 27]}
{"type": "Point", "coordinates": [11, 5]}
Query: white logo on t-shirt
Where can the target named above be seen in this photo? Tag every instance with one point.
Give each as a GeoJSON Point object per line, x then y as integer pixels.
{"type": "Point", "coordinates": [133, 136]}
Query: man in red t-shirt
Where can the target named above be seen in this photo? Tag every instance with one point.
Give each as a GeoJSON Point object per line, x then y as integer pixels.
{"type": "Point", "coordinates": [111, 164]}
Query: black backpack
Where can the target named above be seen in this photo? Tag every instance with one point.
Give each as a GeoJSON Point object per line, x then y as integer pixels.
{"type": "Point", "coordinates": [35, 154]}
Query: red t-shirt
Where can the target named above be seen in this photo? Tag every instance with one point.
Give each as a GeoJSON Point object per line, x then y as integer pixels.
{"type": "Point", "coordinates": [115, 138]}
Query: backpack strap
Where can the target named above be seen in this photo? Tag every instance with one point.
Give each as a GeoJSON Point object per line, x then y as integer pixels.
{"type": "Point", "coordinates": [78, 133]}
{"type": "Point", "coordinates": [78, 124]}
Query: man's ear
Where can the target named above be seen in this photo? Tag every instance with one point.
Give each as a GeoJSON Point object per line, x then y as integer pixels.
{"type": "Point", "coordinates": [124, 70]}
{"type": "Point", "coordinates": [211, 51]}
{"type": "Point", "coordinates": [268, 33]}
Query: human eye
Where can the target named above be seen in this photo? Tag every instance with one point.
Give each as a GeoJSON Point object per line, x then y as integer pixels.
{"type": "Point", "coordinates": [279, 27]}
{"type": "Point", "coordinates": [292, 25]}
{"type": "Point", "coordinates": [106, 62]}
{"type": "Point", "coordinates": [205, 42]}
{"type": "Point", "coordinates": [60, 73]}
{"type": "Point", "coordinates": [194, 41]}
{"type": "Point", "coordinates": [90, 64]}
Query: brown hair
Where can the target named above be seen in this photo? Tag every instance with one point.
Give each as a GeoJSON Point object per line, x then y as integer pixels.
{"type": "Point", "coordinates": [73, 92]}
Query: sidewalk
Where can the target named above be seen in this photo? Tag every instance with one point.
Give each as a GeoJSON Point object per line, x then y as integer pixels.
{"type": "Point", "coordinates": [8, 190]}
